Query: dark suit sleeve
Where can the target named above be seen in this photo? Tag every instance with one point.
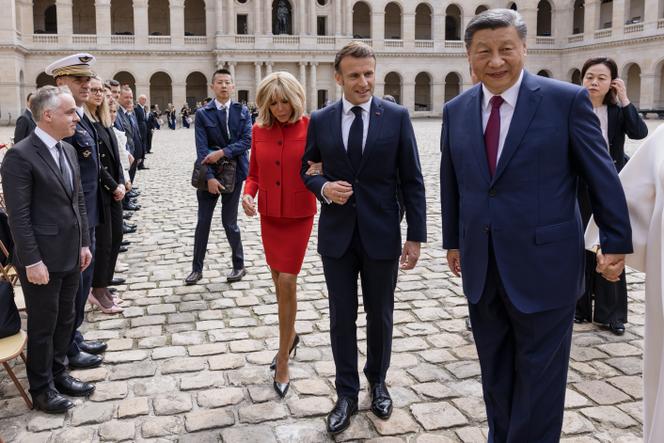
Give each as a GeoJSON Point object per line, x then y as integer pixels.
{"type": "Point", "coordinates": [595, 166]}
{"type": "Point", "coordinates": [633, 124]}
{"type": "Point", "coordinates": [107, 181]}
{"type": "Point", "coordinates": [243, 143]}
{"type": "Point", "coordinates": [202, 142]}
{"type": "Point", "coordinates": [82, 211]}
{"type": "Point", "coordinates": [449, 190]}
{"type": "Point", "coordinates": [412, 183]}
{"type": "Point", "coordinates": [312, 153]}
{"type": "Point", "coordinates": [22, 129]}
{"type": "Point", "coordinates": [17, 186]}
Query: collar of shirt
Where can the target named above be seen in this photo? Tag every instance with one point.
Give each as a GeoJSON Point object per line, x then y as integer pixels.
{"type": "Point", "coordinates": [218, 104]}
{"type": "Point", "coordinates": [347, 106]}
{"type": "Point", "coordinates": [80, 111]}
{"type": "Point", "coordinates": [509, 96]}
{"type": "Point", "coordinates": [49, 141]}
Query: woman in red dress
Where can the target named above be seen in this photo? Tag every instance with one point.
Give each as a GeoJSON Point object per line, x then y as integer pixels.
{"type": "Point", "coordinates": [286, 206]}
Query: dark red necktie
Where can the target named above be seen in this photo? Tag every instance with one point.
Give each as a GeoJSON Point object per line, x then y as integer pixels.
{"type": "Point", "coordinates": [492, 133]}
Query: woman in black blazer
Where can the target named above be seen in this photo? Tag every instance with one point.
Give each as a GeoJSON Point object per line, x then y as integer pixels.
{"type": "Point", "coordinates": [618, 118]}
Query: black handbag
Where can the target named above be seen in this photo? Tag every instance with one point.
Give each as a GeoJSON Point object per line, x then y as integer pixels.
{"type": "Point", "coordinates": [224, 171]}
{"type": "Point", "coordinates": [10, 321]}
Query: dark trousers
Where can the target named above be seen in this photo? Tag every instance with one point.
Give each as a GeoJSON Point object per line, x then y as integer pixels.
{"type": "Point", "coordinates": [81, 298]}
{"type": "Point", "coordinates": [50, 311]}
{"type": "Point", "coordinates": [610, 298]}
{"type": "Point", "coordinates": [109, 240]}
{"type": "Point", "coordinates": [132, 172]}
{"type": "Point", "coordinates": [229, 206]}
{"type": "Point", "coordinates": [148, 145]}
{"type": "Point", "coordinates": [378, 279]}
{"type": "Point", "coordinates": [524, 360]}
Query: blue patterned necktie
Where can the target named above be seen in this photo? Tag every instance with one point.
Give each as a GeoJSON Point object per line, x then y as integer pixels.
{"type": "Point", "coordinates": [355, 137]}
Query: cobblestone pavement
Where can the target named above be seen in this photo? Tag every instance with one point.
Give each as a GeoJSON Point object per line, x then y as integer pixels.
{"type": "Point", "coordinates": [190, 363]}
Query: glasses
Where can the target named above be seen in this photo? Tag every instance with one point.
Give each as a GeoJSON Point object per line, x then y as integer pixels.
{"type": "Point", "coordinates": [96, 90]}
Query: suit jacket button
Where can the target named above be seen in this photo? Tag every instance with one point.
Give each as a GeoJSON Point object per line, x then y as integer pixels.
{"type": "Point", "coordinates": [487, 229]}
{"type": "Point", "coordinates": [492, 192]}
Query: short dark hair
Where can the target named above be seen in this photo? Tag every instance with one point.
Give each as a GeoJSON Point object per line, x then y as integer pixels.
{"type": "Point", "coordinates": [222, 71]}
{"type": "Point", "coordinates": [610, 97]}
{"type": "Point", "coordinates": [493, 19]}
{"type": "Point", "coordinates": [353, 49]}
{"type": "Point", "coordinates": [113, 83]}
{"type": "Point", "coordinates": [27, 99]}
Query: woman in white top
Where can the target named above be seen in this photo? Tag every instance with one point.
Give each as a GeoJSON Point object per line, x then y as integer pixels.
{"type": "Point", "coordinates": [618, 118]}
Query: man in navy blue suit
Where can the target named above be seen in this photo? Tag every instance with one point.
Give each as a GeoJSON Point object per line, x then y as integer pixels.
{"type": "Point", "coordinates": [365, 144]}
{"type": "Point", "coordinates": [223, 129]}
{"type": "Point", "coordinates": [513, 148]}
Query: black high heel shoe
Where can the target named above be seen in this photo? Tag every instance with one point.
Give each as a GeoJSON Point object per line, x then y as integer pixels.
{"type": "Point", "coordinates": [280, 388]}
{"type": "Point", "coordinates": [293, 351]}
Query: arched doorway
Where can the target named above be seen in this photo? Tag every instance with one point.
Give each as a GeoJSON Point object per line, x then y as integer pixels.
{"type": "Point", "coordinates": [544, 73]}
{"type": "Point", "coordinates": [423, 22]}
{"type": "Point", "coordinates": [575, 77]}
{"type": "Point", "coordinates": [83, 15]}
{"type": "Point", "coordinates": [197, 88]}
{"type": "Point", "coordinates": [423, 92]}
{"type": "Point", "coordinates": [44, 16]}
{"type": "Point", "coordinates": [194, 17]}
{"type": "Point", "coordinates": [392, 21]}
{"type": "Point", "coordinates": [453, 23]}
{"type": "Point", "coordinates": [126, 78]}
{"type": "Point", "coordinates": [659, 95]}
{"type": "Point", "coordinates": [361, 20]}
{"type": "Point", "coordinates": [452, 85]}
{"type": "Point", "coordinates": [480, 9]}
{"type": "Point", "coordinates": [544, 18]}
{"type": "Point", "coordinates": [577, 17]}
{"type": "Point", "coordinates": [633, 83]}
{"type": "Point", "coordinates": [393, 86]}
{"type": "Point", "coordinates": [282, 17]}
{"type": "Point", "coordinates": [44, 79]}
{"type": "Point", "coordinates": [122, 17]}
{"type": "Point", "coordinates": [161, 90]}
{"type": "Point", "coordinates": [159, 17]}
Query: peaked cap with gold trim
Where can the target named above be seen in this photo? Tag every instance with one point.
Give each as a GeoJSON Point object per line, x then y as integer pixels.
{"type": "Point", "coordinates": [77, 65]}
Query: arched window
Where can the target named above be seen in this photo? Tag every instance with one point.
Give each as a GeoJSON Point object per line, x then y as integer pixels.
{"type": "Point", "coordinates": [480, 9]}
{"type": "Point", "coordinates": [197, 88]}
{"type": "Point", "coordinates": [577, 19]}
{"type": "Point", "coordinates": [361, 20]}
{"type": "Point", "coordinates": [633, 83]}
{"type": "Point", "coordinates": [282, 17]}
{"type": "Point", "coordinates": [634, 11]}
{"type": "Point", "coordinates": [452, 85]}
{"type": "Point", "coordinates": [544, 18]}
{"type": "Point", "coordinates": [159, 17]}
{"type": "Point", "coordinates": [194, 17]}
{"type": "Point", "coordinates": [605, 14]}
{"type": "Point", "coordinates": [392, 21]}
{"type": "Point", "coordinates": [453, 23]}
{"type": "Point", "coordinates": [122, 17]}
{"type": "Point", "coordinates": [126, 78]}
{"type": "Point", "coordinates": [575, 77]}
{"type": "Point", "coordinates": [161, 90]}
{"type": "Point", "coordinates": [423, 92]}
{"type": "Point", "coordinates": [544, 73]}
{"type": "Point", "coordinates": [44, 16]}
{"type": "Point", "coordinates": [423, 22]}
{"type": "Point", "coordinates": [393, 86]}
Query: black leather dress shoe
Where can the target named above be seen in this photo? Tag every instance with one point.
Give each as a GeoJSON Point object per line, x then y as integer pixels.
{"type": "Point", "coordinates": [123, 249]}
{"type": "Point", "coordinates": [68, 385]}
{"type": "Point", "coordinates": [338, 419]}
{"type": "Point", "coordinates": [127, 215]}
{"type": "Point", "coordinates": [236, 275]}
{"type": "Point", "coordinates": [51, 402]}
{"type": "Point", "coordinates": [112, 290]}
{"type": "Point", "coordinates": [125, 243]}
{"type": "Point", "coordinates": [117, 281]}
{"type": "Point", "coordinates": [84, 360]}
{"type": "Point", "coordinates": [128, 230]}
{"type": "Point", "coordinates": [131, 207]}
{"type": "Point", "coordinates": [93, 347]}
{"type": "Point", "coordinates": [142, 168]}
{"type": "Point", "coordinates": [381, 402]}
{"type": "Point", "coordinates": [133, 194]}
{"type": "Point", "coordinates": [616, 327]}
{"type": "Point", "coordinates": [193, 278]}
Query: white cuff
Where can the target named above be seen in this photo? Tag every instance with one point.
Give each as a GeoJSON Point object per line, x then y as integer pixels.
{"type": "Point", "coordinates": [322, 194]}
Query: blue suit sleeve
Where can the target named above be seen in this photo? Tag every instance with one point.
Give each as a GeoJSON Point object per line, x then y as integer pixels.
{"type": "Point", "coordinates": [607, 197]}
{"type": "Point", "coordinates": [449, 190]}
{"type": "Point", "coordinates": [412, 182]}
{"type": "Point", "coordinates": [201, 140]}
{"type": "Point", "coordinates": [243, 143]}
{"type": "Point", "coordinates": [312, 153]}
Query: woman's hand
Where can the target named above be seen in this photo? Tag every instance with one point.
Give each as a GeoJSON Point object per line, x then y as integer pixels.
{"type": "Point", "coordinates": [248, 205]}
{"type": "Point", "coordinates": [314, 168]}
{"type": "Point", "coordinates": [618, 85]}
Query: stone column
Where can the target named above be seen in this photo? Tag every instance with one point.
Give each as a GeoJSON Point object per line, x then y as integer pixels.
{"type": "Point", "coordinates": [221, 15]}
{"type": "Point", "coordinates": [561, 25]}
{"type": "Point", "coordinates": [650, 15]}
{"type": "Point", "coordinates": [267, 4]}
{"type": "Point", "coordinates": [408, 33]}
{"type": "Point", "coordinates": [313, 17]}
{"type": "Point", "coordinates": [529, 14]}
{"type": "Point", "coordinates": [408, 98]}
{"type": "Point", "coordinates": [141, 22]}
{"type": "Point", "coordinates": [647, 99]}
{"type": "Point", "coordinates": [313, 87]}
{"type": "Point", "coordinates": [438, 94]}
{"type": "Point", "coordinates": [258, 75]}
{"type": "Point", "coordinates": [438, 27]}
{"type": "Point", "coordinates": [303, 75]}
{"type": "Point", "coordinates": [177, 22]}
{"type": "Point", "coordinates": [210, 20]}
{"type": "Point", "coordinates": [377, 27]}
{"type": "Point", "coordinates": [179, 96]}
{"type": "Point", "coordinates": [590, 19]}
{"type": "Point", "coordinates": [301, 13]}
{"type": "Point", "coordinates": [231, 67]}
{"type": "Point", "coordinates": [103, 19]}
{"type": "Point", "coordinates": [65, 21]}
{"type": "Point", "coordinates": [338, 18]}
{"type": "Point", "coordinates": [257, 18]}
{"type": "Point", "coordinates": [268, 68]}
{"type": "Point", "coordinates": [230, 29]}
{"type": "Point", "coordinates": [618, 18]}
{"type": "Point", "coordinates": [349, 18]}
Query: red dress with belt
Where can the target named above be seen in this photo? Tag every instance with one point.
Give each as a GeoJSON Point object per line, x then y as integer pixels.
{"type": "Point", "coordinates": [286, 206]}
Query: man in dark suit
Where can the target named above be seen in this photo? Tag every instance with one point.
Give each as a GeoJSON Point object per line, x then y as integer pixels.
{"type": "Point", "coordinates": [153, 124]}
{"type": "Point", "coordinates": [365, 144]}
{"type": "Point", "coordinates": [223, 129]}
{"type": "Point", "coordinates": [74, 72]}
{"type": "Point", "coordinates": [141, 119]}
{"type": "Point", "coordinates": [126, 121]}
{"type": "Point", "coordinates": [47, 215]}
{"type": "Point", "coordinates": [513, 147]}
{"type": "Point", "coordinates": [25, 124]}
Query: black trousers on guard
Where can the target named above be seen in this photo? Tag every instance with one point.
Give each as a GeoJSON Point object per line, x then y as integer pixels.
{"type": "Point", "coordinates": [82, 298]}
{"type": "Point", "coordinates": [378, 279]}
{"type": "Point", "coordinates": [229, 207]}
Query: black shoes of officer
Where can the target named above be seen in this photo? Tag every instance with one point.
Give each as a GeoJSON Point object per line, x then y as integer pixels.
{"type": "Point", "coordinates": [128, 229]}
{"type": "Point", "coordinates": [131, 207]}
{"type": "Point", "coordinates": [68, 385]}
{"type": "Point", "coordinates": [381, 402]}
{"type": "Point", "coordinates": [616, 327]}
{"type": "Point", "coordinates": [127, 215]}
{"type": "Point", "coordinates": [338, 419]}
{"type": "Point", "coordinates": [92, 346]}
{"type": "Point", "coordinates": [193, 278]}
{"type": "Point", "coordinates": [123, 249]}
{"type": "Point", "coordinates": [51, 402]}
{"type": "Point", "coordinates": [133, 193]}
{"type": "Point", "coordinates": [117, 281]}
{"type": "Point", "coordinates": [236, 275]}
{"type": "Point", "coordinates": [142, 168]}
{"type": "Point", "coordinates": [84, 360]}
{"type": "Point", "coordinates": [125, 243]}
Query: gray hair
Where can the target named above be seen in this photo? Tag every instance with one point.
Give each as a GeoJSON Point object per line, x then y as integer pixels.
{"type": "Point", "coordinates": [46, 98]}
{"type": "Point", "coordinates": [492, 19]}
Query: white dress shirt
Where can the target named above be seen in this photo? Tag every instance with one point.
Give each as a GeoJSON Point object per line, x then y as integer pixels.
{"type": "Point", "coordinates": [348, 117]}
{"type": "Point", "coordinates": [602, 114]}
{"type": "Point", "coordinates": [510, 97]}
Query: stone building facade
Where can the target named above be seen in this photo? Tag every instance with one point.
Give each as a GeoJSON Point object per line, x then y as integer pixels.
{"type": "Point", "coordinates": [167, 49]}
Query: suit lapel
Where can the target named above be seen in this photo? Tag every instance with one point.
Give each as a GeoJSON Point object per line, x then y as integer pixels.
{"type": "Point", "coordinates": [337, 136]}
{"type": "Point", "coordinates": [526, 107]}
{"type": "Point", "coordinates": [375, 121]}
{"type": "Point", "coordinates": [42, 151]}
{"type": "Point", "coordinates": [235, 111]}
{"type": "Point", "coordinates": [476, 133]}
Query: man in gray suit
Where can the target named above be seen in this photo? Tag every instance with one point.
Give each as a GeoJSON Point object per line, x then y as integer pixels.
{"type": "Point", "coordinates": [48, 221]}
{"type": "Point", "coordinates": [25, 124]}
